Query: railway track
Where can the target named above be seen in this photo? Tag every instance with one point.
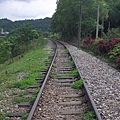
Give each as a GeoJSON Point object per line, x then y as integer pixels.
{"type": "Point", "coordinates": [56, 99]}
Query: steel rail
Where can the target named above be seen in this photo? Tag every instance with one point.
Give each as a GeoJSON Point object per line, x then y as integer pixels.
{"type": "Point", "coordinates": [43, 85]}
{"type": "Point", "coordinates": [85, 89]}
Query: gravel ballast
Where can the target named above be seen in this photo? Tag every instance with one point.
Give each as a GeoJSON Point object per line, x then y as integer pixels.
{"type": "Point", "coordinates": [103, 82]}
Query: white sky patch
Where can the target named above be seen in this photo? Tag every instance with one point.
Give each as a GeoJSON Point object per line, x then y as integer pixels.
{"type": "Point", "coordinates": [27, 9]}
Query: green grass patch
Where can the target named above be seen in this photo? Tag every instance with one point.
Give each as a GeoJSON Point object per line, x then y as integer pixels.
{"type": "Point", "coordinates": [54, 65]}
{"type": "Point", "coordinates": [24, 117]}
{"type": "Point", "coordinates": [71, 63]}
{"type": "Point", "coordinates": [2, 116]}
{"type": "Point", "coordinates": [20, 99]}
{"type": "Point", "coordinates": [31, 62]}
{"type": "Point", "coordinates": [74, 72]}
{"type": "Point", "coordinates": [17, 100]}
{"type": "Point", "coordinates": [36, 91]}
{"type": "Point", "coordinates": [23, 93]}
{"type": "Point", "coordinates": [53, 73]}
{"type": "Point", "coordinates": [89, 116]}
{"type": "Point", "coordinates": [23, 84]}
{"type": "Point", "coordinates": [77, 84]}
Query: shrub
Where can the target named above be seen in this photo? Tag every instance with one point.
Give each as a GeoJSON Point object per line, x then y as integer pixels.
{"type": "Point", "coordinates": [102, 46]}
{"type": "Point", "coordinates": [115, 53]}
{"type": "Point", "coordinates": [112, 34]}
{"type": "Point", "coordinates": [106, 47]}
{"type": "Point", "coordinates": [93, 47]}
{"type": "Point", "coordinates": [88, 41]}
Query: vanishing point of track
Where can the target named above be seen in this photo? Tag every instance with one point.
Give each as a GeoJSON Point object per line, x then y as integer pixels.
{"type": "Point", "coordinates": [56, 99]}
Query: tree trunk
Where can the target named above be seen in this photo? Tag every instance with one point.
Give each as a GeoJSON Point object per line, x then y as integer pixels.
{"type": "Point", "coordinates": [79, 27]}
{"type": "Point", "coordinates": [98, 14]}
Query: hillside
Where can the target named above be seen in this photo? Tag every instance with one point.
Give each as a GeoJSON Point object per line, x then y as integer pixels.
{"type": "Point", "coordinates": [38, 24]}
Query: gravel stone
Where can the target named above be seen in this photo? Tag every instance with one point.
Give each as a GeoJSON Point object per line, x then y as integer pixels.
{"type": "Point", "coordinates": [103, 82]}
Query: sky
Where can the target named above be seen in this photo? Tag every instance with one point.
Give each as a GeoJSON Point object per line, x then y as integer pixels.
{"type": "Point", "coordinates": [26, 9]}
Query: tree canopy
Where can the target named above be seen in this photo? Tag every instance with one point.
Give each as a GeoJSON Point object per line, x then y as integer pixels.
{"type": "Point", "coordinates": [42, 25]}
{"type": "Point", "coordinates": [66, 18]}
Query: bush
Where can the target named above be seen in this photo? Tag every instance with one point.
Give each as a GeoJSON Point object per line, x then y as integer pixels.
{"type": "Point", "coordinates": [112, 34]}
{"type": "Point", "coordinates": [115, 53]}
{"type": "Point", "coordinates": [88, 41]}
{"type": "Point", "coordinates": [106, 47]}
{"type": "Point", "coordinates": [93, 47]}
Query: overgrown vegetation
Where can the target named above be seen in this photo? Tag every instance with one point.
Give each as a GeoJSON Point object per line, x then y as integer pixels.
{"type": "Point", "coordinates": [89, 116]}
{"type": "Point", "coordinates": [77, 84]}
{"type": "Point", "coordinates": [17, 42]}
{"type": "Point", "coordinates": [41, 25]}
{"type": "Point", "coordinates": [108, 26]}
{"type": "Point", "coordinates": [30, 65]}
{"type": "Point", "coordinates": [74, 72]}
{"type": "Point", "coordinates": [109, 50]}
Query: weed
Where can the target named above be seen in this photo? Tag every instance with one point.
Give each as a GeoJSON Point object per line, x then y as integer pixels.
{"type": "Point", "coordinates": [74, 72]}
{"type": "Point", "coordinates": [89, 116]}
{"type": "Point", "coordinates": [32, 100]}
{"type": "Point", "coordinates": [21, 99]}
{"type": "Point", "coordinates": [70, 57]}
{"type": "Point", "coordinates": [36, 91]}
{"type": "Point", "coordinates": [24, 117]}
{"type": "Point", "coordinates": [14, 93]}
{"type": "Point", "coordinates": [2, 116]}
{"type": "Point", "coordinates": [23, 84]}
{"type": "Point", "coordinates": [71, 63]}
{"type": "Point", "coordinates": [53, 73]}
{"type": "Point", "coordinates": [66, 51]}
{"type": "Point", "coordinates": [24, 93]}
{"type": "Point", "coordinates": [54, 65]}
{"type": "Point", "coordinates": [77, 84]}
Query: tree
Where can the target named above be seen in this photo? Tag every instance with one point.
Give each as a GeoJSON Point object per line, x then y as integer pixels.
{"type": "Point", "coordinates": [66, 18]}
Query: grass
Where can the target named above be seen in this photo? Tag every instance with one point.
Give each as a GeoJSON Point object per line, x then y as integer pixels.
{"type": "Point", "coordinates": [24, 117]}
{"type": "Point", "coordinates": [89, 116]}
{"type": "Point", "coordinates": [53, 73]}
{"type": "Point", "coordinates": [54, 65]}
{"type": "Point", "coordinates": [20, 99]}
{"type": "Point", "coordinates": [31, 63]}
{"type": "Point", "coordinates": [74, 72]}
{"type": "Point", "coordinates": [77, 84]}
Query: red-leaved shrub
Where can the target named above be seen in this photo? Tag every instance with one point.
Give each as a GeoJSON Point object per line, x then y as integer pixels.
{"type": "Point", "coordinates": [88, 41]}
{"type": "Point", "coordinates": [106, 47]}
{"type": "Point", "coordinates": [118, 59]}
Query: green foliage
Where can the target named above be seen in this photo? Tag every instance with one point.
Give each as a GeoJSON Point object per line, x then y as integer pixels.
{"type": "Point", "coordinates": [66, 18]}
{"type": "Point", "coordinates": [30, 64]}
{"type": "Point", "coordinates": [24, 117]}
{"type": "Point", "coordinates": [74, 72]}
{"type": "Point", "coordinates": [77, 84]}
{"type": "Point", "coordinates": [53, 73]}
{"type": "Point", "coordinates": [2, 116]}
{"type": "Point", "coordinates": [36, 91]}
{"type": "Point", "coordinates": [41, 25]}
{"type": "Point", "coordinates": [54, 36]}
{"type": "Point", "coordinates": [112, 34]}
{"type": "Point", "coordinates": [20, 99]}
{"type": "Point", "coordinates": [114, 13]}
{"type": "Point", "coordinates": [115, 52]}
{"type": "Point", "coordinates": [54, 65]}
{"type": "Point", "coordinates": [89, 116]}
{"type": "Point", "coordinates": [17, 42]}
{"type": "Point", "coordinates": [23, 84]}
{"type": "Point", "coordinates": [93, 47]}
